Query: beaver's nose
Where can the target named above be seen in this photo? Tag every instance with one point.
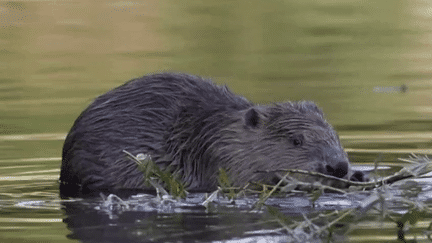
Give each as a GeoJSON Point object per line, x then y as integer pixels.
{"type": "Point", "coordinates": [338, 170]}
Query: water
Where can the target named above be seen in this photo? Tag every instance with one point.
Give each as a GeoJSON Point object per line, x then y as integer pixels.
{"type": "Point", "coordinates": [350, 57]}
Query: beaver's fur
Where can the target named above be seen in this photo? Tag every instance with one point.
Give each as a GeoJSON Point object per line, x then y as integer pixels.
{"type": "Point", "coordinates": [194, 127]}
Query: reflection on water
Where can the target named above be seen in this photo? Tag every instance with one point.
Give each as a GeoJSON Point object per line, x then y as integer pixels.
{"type": "Point", "coordinates": [56, 56]}
{"type": "Point", "coordinates": [152, 219]}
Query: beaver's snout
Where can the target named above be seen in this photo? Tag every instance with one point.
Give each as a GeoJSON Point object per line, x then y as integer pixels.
{"type": "Point", "coordinates": [331, 161]}
{"type": "Point", "coordinates": [339, 170]}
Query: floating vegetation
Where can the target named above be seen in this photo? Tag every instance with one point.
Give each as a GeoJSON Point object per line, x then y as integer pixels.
{"type": "Point", "coordinates": [392, 198]}
{"type": "Point", "coordinates": [420, 166]}
{"type": "Point", "coordinates": [161, 181]}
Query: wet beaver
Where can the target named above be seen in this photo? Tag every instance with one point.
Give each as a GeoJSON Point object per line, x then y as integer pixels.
{"type": "Point", "coordinates": [194, 127]}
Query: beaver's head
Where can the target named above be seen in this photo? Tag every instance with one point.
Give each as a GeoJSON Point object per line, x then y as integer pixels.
{"type": "Point", "coordinates": [286, 136]}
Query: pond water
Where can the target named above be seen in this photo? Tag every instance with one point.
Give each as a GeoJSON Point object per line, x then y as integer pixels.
{"type": "Point", "coordinates": [367, 64]}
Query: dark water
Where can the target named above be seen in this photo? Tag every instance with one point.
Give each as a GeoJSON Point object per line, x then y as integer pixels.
{"type": "Point", "coordinates": [367, 64]}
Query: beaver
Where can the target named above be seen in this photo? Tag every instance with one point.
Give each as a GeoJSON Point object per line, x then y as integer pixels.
{"type": "Point", "coordinates": [193, 127]}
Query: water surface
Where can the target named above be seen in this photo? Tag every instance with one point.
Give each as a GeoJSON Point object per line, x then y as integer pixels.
{"type": "Point", "coordinates": [367, 64]}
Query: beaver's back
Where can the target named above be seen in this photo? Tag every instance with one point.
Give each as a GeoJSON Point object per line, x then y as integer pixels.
{"type": "Point", "coordinates": [136, 117]}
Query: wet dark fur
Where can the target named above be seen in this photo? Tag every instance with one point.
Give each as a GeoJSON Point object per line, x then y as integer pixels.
{"type": "Point", "coordinates": [195, 127]}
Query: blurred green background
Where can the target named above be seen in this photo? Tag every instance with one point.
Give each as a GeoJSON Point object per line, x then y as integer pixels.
{"type": "Point", "coordinates": [56, 56]}
{"type": "Point", "coordinates": [350, 57]}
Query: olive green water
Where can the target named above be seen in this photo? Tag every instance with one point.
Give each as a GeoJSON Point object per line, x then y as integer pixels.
{"type": "Point", "coordinates": [350, 57]}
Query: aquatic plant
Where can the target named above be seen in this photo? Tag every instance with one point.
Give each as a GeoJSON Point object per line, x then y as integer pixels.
{"type": "Point", "coordinates": [164, 182]}
{"type": "Point", "coordinates": [386, 196]}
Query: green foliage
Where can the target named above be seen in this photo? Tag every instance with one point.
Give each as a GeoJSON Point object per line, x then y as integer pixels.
{"type": "Point", "coordinates": [154, 176]}
{"type": "Point", "coordinates": [315, 194]}
{"type": "Point", "coordinates": [282, 219]}
{"type": "Point", "coordinates": [223, 179]}
{"type": "Point", "coordinates": [225, 183]}
{"type": "Point", "coordinates": [412, 216]}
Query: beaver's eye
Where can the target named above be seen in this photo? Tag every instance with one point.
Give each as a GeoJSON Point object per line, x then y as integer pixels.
{"type": "Point", "coordinates": [297, 142]}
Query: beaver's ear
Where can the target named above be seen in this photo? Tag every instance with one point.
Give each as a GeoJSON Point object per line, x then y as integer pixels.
{"type": "Point", "coordinates": [252, 118]}
{"type": "Point", "coordinates": [307, 106]}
